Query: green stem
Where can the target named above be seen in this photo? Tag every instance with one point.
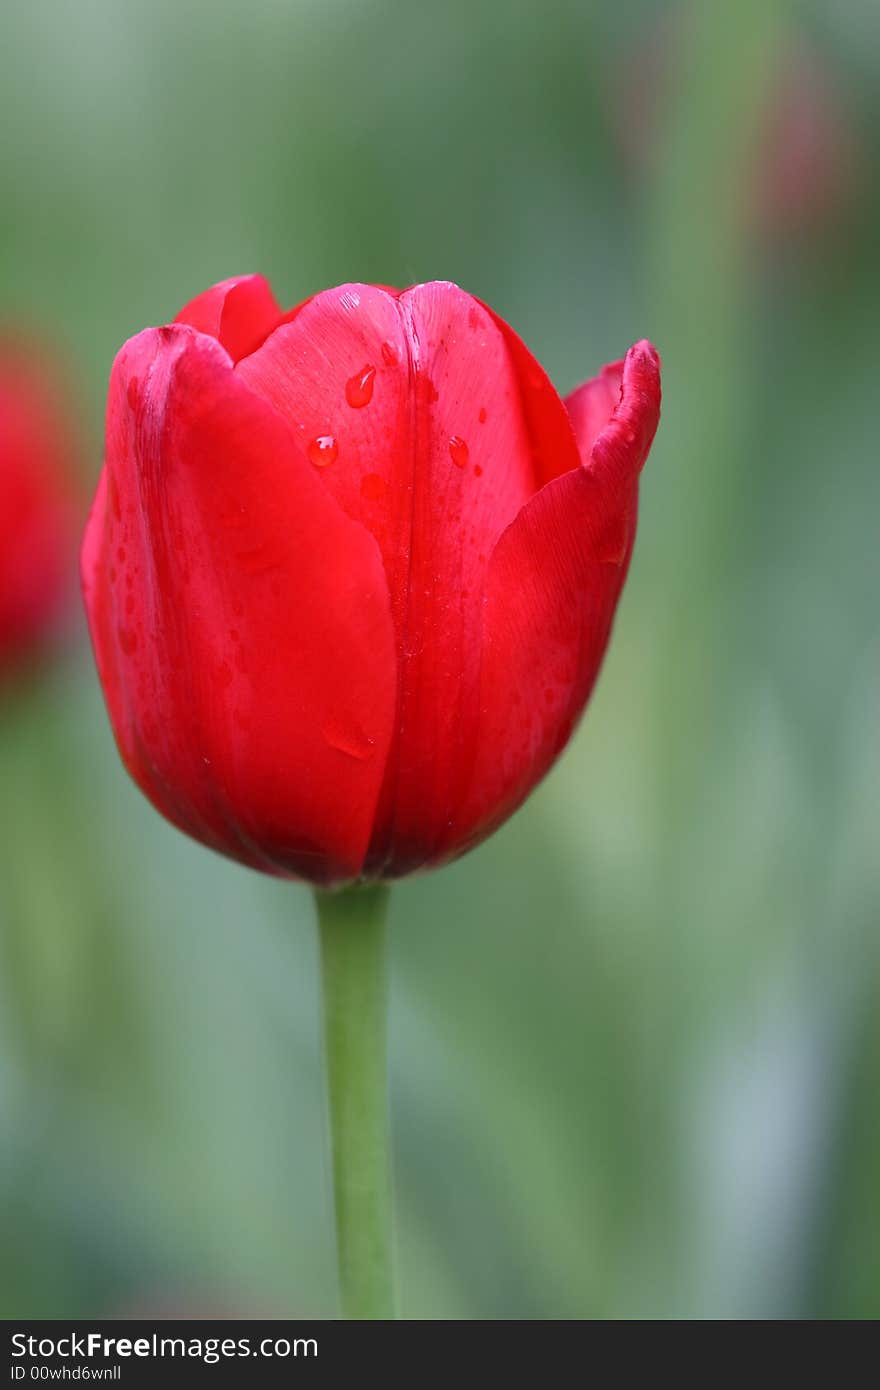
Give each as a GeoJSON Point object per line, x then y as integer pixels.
{"type": "Point", "coordinates": [352, 927]}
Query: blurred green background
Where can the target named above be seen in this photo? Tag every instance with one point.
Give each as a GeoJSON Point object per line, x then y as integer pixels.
{"type": "Point", "coordinates": [635, 1037]}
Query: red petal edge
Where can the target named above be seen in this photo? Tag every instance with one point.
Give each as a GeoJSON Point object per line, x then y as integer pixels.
{"type": "Point", "coordinates": [240, 313]}
{"type": "Point", "coordinates": [240, 620]}
{"type": "Point", "coordinates": [554, 581]}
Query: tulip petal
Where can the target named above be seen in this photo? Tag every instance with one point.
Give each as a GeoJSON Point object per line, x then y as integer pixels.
{"type": "Point", "coordinates": [554, 581]}
{"type": "Point", "coordinates": [241, 621]}
{"type": "Point", "coordinates": [418, 400]}
{"type": "Point", "coordinates": [554, 449]}
{"type": "Point", "coordinates": [240, 313]}
{"type": "Point", "coordinates": [336, 344]}
{"type": "Point", "coordinates": [591, 405]}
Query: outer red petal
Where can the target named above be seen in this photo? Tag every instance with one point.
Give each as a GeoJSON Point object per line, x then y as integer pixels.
{"type": "Point", "coordinates": [240, 620]}
{"type": "Point", "coordinates": [437, 460]}
{"type": "Point", "coordinates": [554, 581]}
{"type": "Point", "coordinates": [240, 313]}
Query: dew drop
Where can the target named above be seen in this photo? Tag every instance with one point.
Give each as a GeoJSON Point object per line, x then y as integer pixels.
{"type": "Point", "coordinates": [389, 355]}
{"type": "Point", "coordinates": [373, 487]}
{"type": "Point", "coordinates": [359, 388]}
{"type": "Point", "coordinates": [345, 734]}
{"type": "Point", "coordinates": [482, 415]}
{"type": "Point", "coordinates": [478, 472]}
{"type": "Point", "coordinates": [458, 451]}
{"type": "Point", "coordinates": [323, 450]}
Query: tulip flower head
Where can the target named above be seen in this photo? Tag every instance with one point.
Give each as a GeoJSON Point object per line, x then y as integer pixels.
{"type": "Point", "coordinates": [38, 494]}
{"type": "Point", "coordinates": [351, 569]}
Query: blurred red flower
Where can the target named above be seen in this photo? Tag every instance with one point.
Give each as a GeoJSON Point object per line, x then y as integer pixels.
{"type": "Point", "coordinates": [806, 166]}
{"type": "Point", "coordinates": [351, 569]}
{"type": "Point", "coordinates": [38, 499]}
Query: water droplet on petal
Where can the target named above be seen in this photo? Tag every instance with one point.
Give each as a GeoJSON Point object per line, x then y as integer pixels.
{"type": "Point", "coordinates": [482, 415]}
{"type": "Point", "coordinates": [458, 451]}
{"type": "Point", "coordinates": [478, 472]}
{"type": "Point", "coordinates": [359, 388]}
{"type": "Point", "coordinates": [323, 450]}
{"type": "Point", "coordinates": [389, 355]}
{"type": "Point", "coordinates": [345, 734]}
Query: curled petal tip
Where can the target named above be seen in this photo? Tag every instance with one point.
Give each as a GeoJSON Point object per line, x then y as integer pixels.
{"type": "Point", "coordinates": [641, 373]}
{"type": "Point", "coordinates": [623, 445]}
{"type": "Point", "coordinates": [647, 363]}
{"type": "Point", "coordinates": [615, 414]}
{"type": "Point", "coordinates": [645, 351]}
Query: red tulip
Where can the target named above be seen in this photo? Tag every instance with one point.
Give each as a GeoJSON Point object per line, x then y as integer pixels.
{"type": "Point", "coordinates": [37, 501]}
{"type": "Point", "coordinates": [351, 570]}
